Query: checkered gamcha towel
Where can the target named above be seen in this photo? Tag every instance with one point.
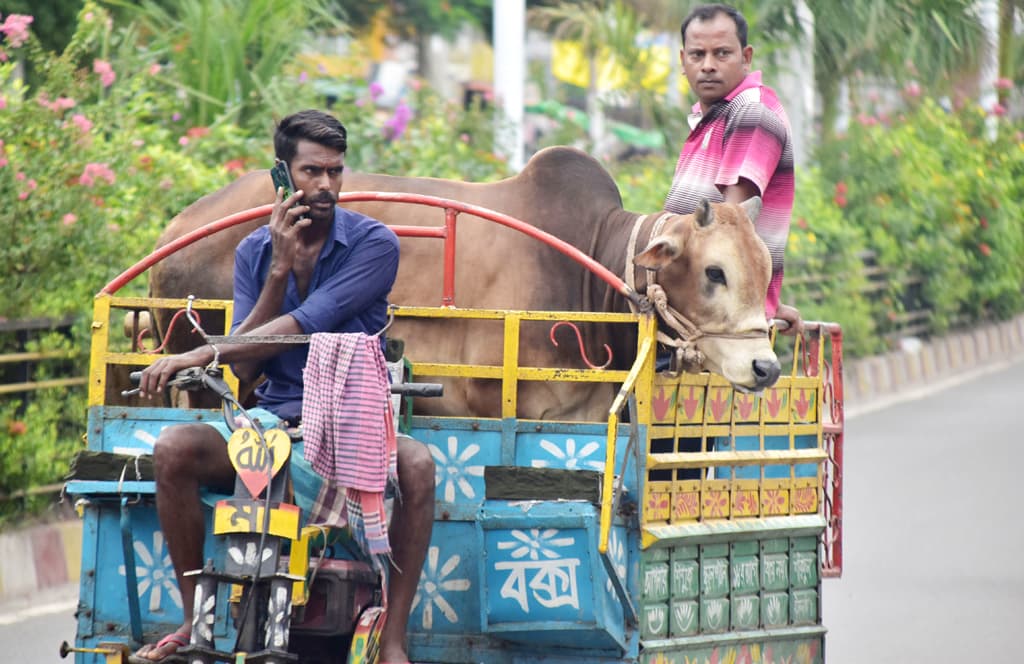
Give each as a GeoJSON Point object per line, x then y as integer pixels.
{"type": "Point", "coordinates": [349, 435]}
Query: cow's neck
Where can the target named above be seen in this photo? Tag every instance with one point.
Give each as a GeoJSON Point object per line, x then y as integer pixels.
{"type": "Point", "coordinates": [612, 249]}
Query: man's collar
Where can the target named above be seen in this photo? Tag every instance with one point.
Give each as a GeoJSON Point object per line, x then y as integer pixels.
{"type": "Point", "coordinates": [340, 233]}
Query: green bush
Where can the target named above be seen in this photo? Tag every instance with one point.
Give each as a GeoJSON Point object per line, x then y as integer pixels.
{"type": "Point", "coordinates": [937, 201]}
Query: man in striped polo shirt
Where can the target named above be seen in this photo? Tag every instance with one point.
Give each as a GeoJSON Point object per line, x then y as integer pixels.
{"type": "Point", "coordinates": [739, 144]}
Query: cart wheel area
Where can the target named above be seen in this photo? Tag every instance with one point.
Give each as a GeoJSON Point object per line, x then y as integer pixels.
{"type": "Point", "coordinates": [365, 648]}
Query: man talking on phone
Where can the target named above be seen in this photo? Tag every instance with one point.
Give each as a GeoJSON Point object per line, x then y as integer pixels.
{"type": "Point", "coordinates": [316, 267]}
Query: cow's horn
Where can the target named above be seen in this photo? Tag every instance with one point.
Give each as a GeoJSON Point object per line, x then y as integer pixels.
{"type": "Point", "coordinates": [752, 206]}
{"type": "Point", "coordinates": [703, 213]}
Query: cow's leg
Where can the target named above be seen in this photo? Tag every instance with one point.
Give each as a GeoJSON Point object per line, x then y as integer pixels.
{"type": "Point", "coordinates": [410, 531]}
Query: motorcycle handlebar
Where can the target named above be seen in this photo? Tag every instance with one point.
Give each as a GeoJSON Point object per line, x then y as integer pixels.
{"type": "Point", "coordinates": [402, 389]}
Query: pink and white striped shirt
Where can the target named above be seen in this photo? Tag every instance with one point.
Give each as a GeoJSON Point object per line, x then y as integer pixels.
{"type": "Point", "coordinates": [744, 135]}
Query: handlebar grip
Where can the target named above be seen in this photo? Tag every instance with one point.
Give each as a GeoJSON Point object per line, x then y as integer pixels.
{"type": "Point", "coordinates": [418, 389]}
{"type": "Point", "coordinates": [135, 377]}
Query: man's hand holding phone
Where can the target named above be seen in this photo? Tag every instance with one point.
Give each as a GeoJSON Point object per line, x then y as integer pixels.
{"type": "Point", "coordinates": [287, 218]}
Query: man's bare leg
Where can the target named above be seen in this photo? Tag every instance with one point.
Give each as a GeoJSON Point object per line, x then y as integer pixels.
{"type": "Point", "coordinates": [409, 531]}
{"type": "Point", "coordinates": [186, 457]}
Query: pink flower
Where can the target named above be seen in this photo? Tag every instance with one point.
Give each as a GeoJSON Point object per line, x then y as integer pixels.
{"type": "Point", "coordinates": [303, 77]}
{"type": "Point", "coordinates": [106, 72]}
{"type": "Point", "coordinates": [19, 176]}
{"type": "Point", "coordinates": [94, 171]}
{"type": "Point", "coordinates": [998, 109]}
{"type": "Point", "coordinates": [912, 89]}
{"type": "Point", "coordinates": [138, 143]}
{"type": "Point", "coordinates": [175, 117]}
{"type": "Point", "coordinates": [1003, 83]}
{"type": "Point", "coordinates": [32, 185]}
{"type": "Point", "coordinates": [154, 69]}
{"type": "Point", "coordinates": [16, 29]}
{"type": "Point", "coordinates": [69, 219]}
{"type": "Point", "coordinates": [3, 102]}
{"type": "Point", "coordinates": [82, 122]}
{"type": "Point", "coordinates": [112, 227]}
{"type": "Point", "coordinates": [63, 103]}
{"type": "Point", "coordinates": [867, 120]}
{"type": "Point", "coordinates": [23, 195]}
{"type": "Point", "coordinates": [183, 141]}
{"type": "Point", "coordinates": [376, 90]}
{"type": "Point", "coordinates": [395, 127]}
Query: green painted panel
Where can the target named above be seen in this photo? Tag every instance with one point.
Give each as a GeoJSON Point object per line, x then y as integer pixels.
{"type": "Point", "coordinates": [660, 553]}
{"type": "Point", "coordinates": [746, 612]}
{"type": "Point", "coordinates": [803, 570]}
{"type": "Point", "coordinates": [779, 545]}
{"type": "Point", "coordinates": [714, 615]}
{"type": "Point", "coordinates": [685, 579]}
{"type": "Point", "coordinates": [804, 544]}
{"type": "Point", "coordinates": [654, 621]}
{"type": "Point", "coordinates": [804, 605]}
{"type": "Point", "coordinates": [775, 609]}
{"type": "Point", "coordinates": [746, 577]}
{"type": "Point", "coordinates": [715, 550]}
{"type": "Point", "coordinates": [750, 548]}
{"type": "Point", "coordinates": [685, 618]}
{"type": "Point", "coordinates": [775, 571]}
{"type": "Point", "coordinates": [654, 582]}
{"type": "Point", "coordinates": [685, 552]}
{"type": "Point", "coordinates": [714, 577]}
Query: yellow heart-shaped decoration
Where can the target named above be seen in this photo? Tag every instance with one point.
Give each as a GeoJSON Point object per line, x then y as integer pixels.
{"type": "Point", "coordinates": [254, 462]}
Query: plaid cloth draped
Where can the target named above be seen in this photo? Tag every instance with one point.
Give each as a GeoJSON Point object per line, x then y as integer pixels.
{"type": "Point", "coordinates": [349, 435]}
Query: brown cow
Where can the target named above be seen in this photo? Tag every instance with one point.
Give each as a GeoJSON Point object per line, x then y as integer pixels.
{"type": "Point", "coordinates": [713, 267]}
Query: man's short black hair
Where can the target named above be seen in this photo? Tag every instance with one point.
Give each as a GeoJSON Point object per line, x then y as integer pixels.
{"type": "Point", "coordinates": [708, 12]}
{"type": "Point", "coordinates": [311, 125]}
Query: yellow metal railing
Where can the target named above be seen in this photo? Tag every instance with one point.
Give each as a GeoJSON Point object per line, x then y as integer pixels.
{"type": "Point", "coordinates": [102, 353]}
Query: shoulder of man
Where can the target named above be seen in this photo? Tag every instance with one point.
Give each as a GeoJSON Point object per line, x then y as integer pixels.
{"type": "Point", "coordinates": [360, 225]}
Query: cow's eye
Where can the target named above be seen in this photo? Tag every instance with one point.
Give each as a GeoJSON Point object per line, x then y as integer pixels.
{"type": "Point", "coordinates": [715, 274]}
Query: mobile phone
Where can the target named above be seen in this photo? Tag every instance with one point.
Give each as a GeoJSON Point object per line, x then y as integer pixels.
{"type": "Point", "coordinates": [282, 177]}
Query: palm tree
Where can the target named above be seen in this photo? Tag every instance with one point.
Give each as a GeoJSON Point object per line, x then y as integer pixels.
{"type": "Point", "coordinates": [925, 40]}
{"type": "Point", "coordinates": [600, 26]}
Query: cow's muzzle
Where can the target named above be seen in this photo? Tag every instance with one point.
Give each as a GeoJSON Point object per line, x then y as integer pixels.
{"type": "Point", "coordinates": [766, 372]}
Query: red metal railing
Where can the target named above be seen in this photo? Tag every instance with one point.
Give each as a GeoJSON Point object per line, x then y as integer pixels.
{"type": "Point", "coordinates": [833, 426]}
{"type": "Point", "coordinates": [447, 233]}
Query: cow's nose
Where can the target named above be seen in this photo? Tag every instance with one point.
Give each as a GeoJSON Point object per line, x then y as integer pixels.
{"type": "Point", "coordinates": [766, 372]}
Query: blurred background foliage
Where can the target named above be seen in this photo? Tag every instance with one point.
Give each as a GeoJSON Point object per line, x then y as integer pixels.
{"type": "Point", "coordinates": [115, 116]}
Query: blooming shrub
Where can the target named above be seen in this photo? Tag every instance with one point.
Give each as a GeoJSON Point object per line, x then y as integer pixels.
{"type": "Point", "coordinates": [937, 201]}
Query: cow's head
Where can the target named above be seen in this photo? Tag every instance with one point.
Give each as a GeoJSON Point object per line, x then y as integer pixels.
{"type": "Point", "coordinates": [715, 271]}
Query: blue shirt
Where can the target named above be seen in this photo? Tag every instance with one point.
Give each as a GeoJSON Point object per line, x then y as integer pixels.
{"type": "Point", "coordinates": [347, 293]}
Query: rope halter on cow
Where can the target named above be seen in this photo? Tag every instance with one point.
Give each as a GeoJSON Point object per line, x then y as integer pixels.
{"type": "Point", "coordinates": [686, 356]}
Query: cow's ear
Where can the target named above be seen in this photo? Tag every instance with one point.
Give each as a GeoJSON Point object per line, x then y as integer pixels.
{"type": "Point", "coordinates": [659, 253]}
{"type": "Point", "coordinates": [704, 215]}
{"type": "Point", "coordinates": [752, 206]}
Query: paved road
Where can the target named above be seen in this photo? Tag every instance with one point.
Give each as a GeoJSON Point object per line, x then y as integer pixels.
{"type": "Point", "coordinates": [31, 631]}
{"type": "Point", "coordinates": [933, 537]}
{"type": "Point", "coordinates": [933, 529]}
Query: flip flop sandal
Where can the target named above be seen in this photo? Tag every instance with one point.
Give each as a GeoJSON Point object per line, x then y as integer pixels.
{"type": "Point", "coordinates": [176, 638]}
